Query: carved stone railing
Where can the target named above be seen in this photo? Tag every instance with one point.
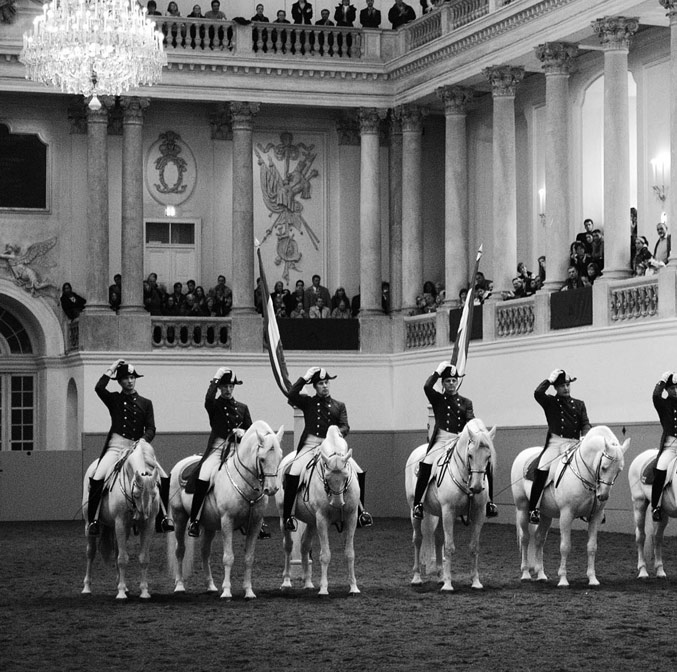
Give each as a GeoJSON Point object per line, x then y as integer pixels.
{"type": "Point", "coordinates": [191, 332]}
{"type": "Point", "coordinates": [73, 335]}
{"type": "Point", "coordinates": [466, 11]}
{"type": "Point", "coordinates": [426, 29]}
{"type": "Point", "coordinates": [635, 301]}
{"type": "Point", "coordinates": [515, 317]}
{"type": "Point", "coordinates": [420, 331]}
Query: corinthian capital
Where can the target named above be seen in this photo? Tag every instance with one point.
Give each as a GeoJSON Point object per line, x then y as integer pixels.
{"type": "Point", "coordinates": [242, 115]}
{"type": "Point", "coordinates": [503, 79]}
{"type": "Point", "coordinates": [370, 120]}
{"type": "Point", "coordinates": [557, 57]}
{"type": "Point", "coordinates": [412, 118]}
{"type": "Point", "coordinates": [133, 108]}
{"type": "Point", "coordinates": [455, 98]}
{"type": "Point", "coordinates": [670, 6]}
{"type": "Point", "coordinates": [615, 32]}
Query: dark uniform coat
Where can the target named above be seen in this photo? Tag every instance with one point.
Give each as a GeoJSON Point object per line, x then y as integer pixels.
{"type": "Point", "coordinates": [225, 415]}
{"type": "Point", "coordinates": [452, 411]}
{"type": "Point", "coordinates": [667, 412]}
{"type": "Point", "coordinates": [302, 14]}
{"type": "Point", "coordinates": [319, 413]}
{"type": "Point", "coordinates": [566, 417]}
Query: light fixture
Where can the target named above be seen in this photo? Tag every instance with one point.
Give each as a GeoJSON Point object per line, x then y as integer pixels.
{"type": "Point", "coordinates": [93, 47]}
{"type": "Point", "coordinates": [661, 167]}
{"type": "Point", "coordinates": [541, 205]}
{"type": "Point", "coordinates": [170, 211]}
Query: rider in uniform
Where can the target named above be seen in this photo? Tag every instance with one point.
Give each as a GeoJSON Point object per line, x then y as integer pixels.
{"type": "Point", "coordinates": [452, 413]}
{"type": "Point", "coordinates": [319, 413]}
{"type": "Point", "coordinates": [229, 420]}
{"type": "Point", "coordinates": [567, 423]}
{"type": "Point", "coordinates": [132, 419]}
{"type": "Point", "coordinates": [667, 412]}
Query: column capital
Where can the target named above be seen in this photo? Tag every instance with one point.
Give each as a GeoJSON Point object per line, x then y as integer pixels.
{"type": "Point", "coordinates": [100, 116]}
{"type": "Point", "coordinates": [369, 119]}
{"type": "Point", "coordinates": [671, 7]}
{"type": "Point", "coordinates": [219, 122]}
{"type": "Point", "coordinates": [615, 32]}
{"type": "Point", "coordinates": [412, 118]}
{"type": "Point", "coordinates": [455, 98]}
{"type": "Point", "coordinates": [395, 121]}
{"type": "Point", "coordinates": [557, 57]}
{"type": "Point", "coordinates": [77, 116]}
{"type": "Point", "coordinates": [242, 115]}
{"type": "Point", "coordinates": [133, 108]}
{"type": "Point", "coordinates": [348, 129]}
{"type": "Point", "coordinates": [503, 79]}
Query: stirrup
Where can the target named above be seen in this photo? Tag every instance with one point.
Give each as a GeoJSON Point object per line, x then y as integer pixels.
{"type": "Point", "coordinates": [290, 524]}
{"type": "Point", "coordinates": [194, 528]}
{"type": "Point", "coordinates": [492, 510]}
{"type": "Point", "coordinates": [164, 524]}
{"type": "Point", "coordinates": [657, 514]}
{"type": "Point", "coordinates": [93, 529]}
{"type": "Point", "coordinates": [264, 532]}
{"type": "Point", "coordinates": [417, 511]}
{"type": "Point", "coordinates": [365, 520]}
{"type": "Point", "coordinates": [535, 517]}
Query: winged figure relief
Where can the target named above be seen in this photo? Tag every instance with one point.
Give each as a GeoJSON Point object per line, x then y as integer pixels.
{"type": "Point", "coordinates": [21, 265]}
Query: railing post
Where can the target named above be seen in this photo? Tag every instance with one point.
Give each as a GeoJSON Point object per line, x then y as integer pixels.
{"type": "Point", "coordinates": [371, 45]}
{"type": "Point", "coordinates": [244, 44]}
{"type": "Point", "coordinates": [489, 321]}
{"type": "Point", "coordinates": [667, 292]}
{"type": "Point", "coordinates": [442, 336]}
{"type": "Point", "coordinates": [399, 332]}
{"type": "Point", "coordinates": [600, 303]}
{"type": "Point", "coordinates": [541, 313]}
{"type": "Point", "coordinates": [446, 18]}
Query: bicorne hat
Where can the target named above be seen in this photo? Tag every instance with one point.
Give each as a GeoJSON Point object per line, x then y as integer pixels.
{"type": "Point", "coordinates": [450, 372]}
{"type": "Point", "coordinates": [229, 378]}
{"type": "Point", "coordinates": [672, 380]}
{"type": "Point", "coordinates": [125, 370]}
{"type": "Point", "coordinates": [563, 377]}
{"type": "Point", "coordinates": [320, 375]}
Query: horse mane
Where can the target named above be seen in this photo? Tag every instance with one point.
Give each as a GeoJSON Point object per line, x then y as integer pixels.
{"type": "Point", "coordinates": [261, 425]}
{"type": "Point", "coordinates": [478, 427]}
{"type": "Point", "coordinates": [148, 454]}
{"type": "Point", "coordinates": [602, 431]}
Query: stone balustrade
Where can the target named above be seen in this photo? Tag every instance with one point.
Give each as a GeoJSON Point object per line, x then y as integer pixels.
{"type": "Point", "coordinates": [420, 331]}
{"type": "Point", "coordinates": [191, 332]}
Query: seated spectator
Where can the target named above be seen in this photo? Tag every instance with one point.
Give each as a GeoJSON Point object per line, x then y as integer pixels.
{"type": "Point", "coordinates": [597, 254]}
{"type": "Point", "coordinates": [302, 12]}
{"type": "Point", "coordinates": [385, 297]}
{"type": "Point", "coordinates": [171, 308]}
{"type": "Point", "coordinates": [151, 8]}
{"type": "Point", "coordinates": [429, 288]}
{"type": "Point", "coordinates": [315, 290]}
{"type": "Point", "coordinates": [324, 19]}
{"type": "Point", "coordinates": [223, 301]}
{"type": "Point", "coordinates": [278, 305]}
{"type": "Point", "coordinates": [586, 236]}
{"type": "Point", "coordinates": [528, 281]}
{"type": "Point", "coordinates": [518, 289]}
{"type": "Point", "coordinates": [115, 293]}
{"type": "Point", "coordinates": [661, 251]}
{"type": "Point", "coordinates": [72, 303]}
{"type": "Point", "coordinates": [342, 311]}
{"type": "Point", "coordinates": [480, 296]}
{"type": "Point", "coordinates": [319, 310]}
{"type": "Point", "coordinates": [594, 272]}
{"type": "Point", "coordinates": [299, 311]}
{"type": "Point", "coordinates": [280, 291]}
{"type": "Point", "coordinates": [400, 13]}
{"type": "Point", "coordinates": [462, 296]}
{"type": "Point", "coordinates": [440, 293]}
{"type": "Point", "coordinates": [642, 258]}
{"type": "Point", "coordinates": [260, 16]}
{"type": "Point", "coordinates": [573, 281]}
{"type": "Point", "coordinates": [580, 259]}
{"type": "Point", "coordinates": [345, 14]}
{"type": "Point", "coordinates": [370, 17]}
{"type": "Point", "coordinates": [190, 307]}
{"type": "Point", "coordinates": [339, 295]}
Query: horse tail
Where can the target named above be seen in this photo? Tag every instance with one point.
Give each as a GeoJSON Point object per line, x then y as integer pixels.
{"type": "Point", "coordinates": [107, 543]}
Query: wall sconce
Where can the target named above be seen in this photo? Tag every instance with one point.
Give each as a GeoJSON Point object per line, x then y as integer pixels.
{"type": "Point", "coordinates": [170, 211]}
{"type": "Point", "coordinates": [541, 205]}
{"type": "Point", "coordinates": [661, 169]}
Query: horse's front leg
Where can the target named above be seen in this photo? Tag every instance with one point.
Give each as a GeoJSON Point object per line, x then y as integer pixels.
{"type": "Point", "coordinates": [325, 552]}
{"type": "Point", "coordinates": [593, 528]}
{"type": "Point", "coordinates": [540, 536]}
{"type": "Point", "coordinates": [306, 562]}
{"type": "Point", "coordinates": [206, 552]}
{"type": "Point", "coordinates": [122, 559]}
{"type": "Point", "coordinates": [639, 507]}
{"type": "Point", "coordinates": [350, 553]}
{"type": "Point", "coordinates": [145, 540]}
{"type": "Point", "coordinates": [417, 541]}
{"type": "Point", "coordinates": [522, 527]}
{"type": "Point", "coordinates": [565, 521]}
{"type": "Point", "coordinates": [179, 553]}
{"type": "Point", "coordinates": [287, 547]}
{"type": "Point", "coordinates": [477, 522]}
{"type": "Point", "coordinates": [228, 555]}
{"type": "Point", "coordinates": [658, 534]}
{"type": "Point", "coordinates": [249, 551]}
{"type": "Point", "coordinates": [448, 519]}
{"type": "Point", "coordinates": [91, 554]}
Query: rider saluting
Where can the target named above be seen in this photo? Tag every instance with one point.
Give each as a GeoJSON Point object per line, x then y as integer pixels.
{"type": "Point", "coordinates": [452, 413]}
{"type": "Point", "coordinates": [567, 423]}
{"type": "Point", "coordinates": [319, 413]}
{"type": "Point", "coordinates": [667, 412]}
{"type": "Point", "coordinates": [132, 419]}
{"type": "Point", "coordinates": [229, 419]}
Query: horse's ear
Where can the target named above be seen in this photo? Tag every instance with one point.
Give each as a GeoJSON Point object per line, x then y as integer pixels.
{"type": "Point", "coordinates": [492, 432]}
{"type": "Point", "coordinates": [625, 445]}
{"type": "Point", "coordinates": [349, 454]}
{"type": "Point", "coordinates": [260, 436]}
{"type": "Point", "coordinates": [280, 434]}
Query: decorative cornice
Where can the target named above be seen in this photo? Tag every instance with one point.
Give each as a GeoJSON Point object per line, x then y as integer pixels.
{"type": "Point", "coordinates": [348, 129]}
{"type": "Point", "coordinates": [615, 32]}
{"type": "Point", "coordinates": [369, 119]}
{"type": "Point", "coordinates": [503, 79]}
{"type": "Point", "coordinates": [557, 57]}
{"type": "Point", "coordinates": [455, 99]}
{"type": "Point", "coordinates": [242, 115]}
{"type": "Point", "coordinates": [219, 122]}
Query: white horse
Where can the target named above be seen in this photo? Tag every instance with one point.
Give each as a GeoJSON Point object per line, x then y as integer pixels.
{"type": "Point", "coordinates": [457, 488]}
{"type": "Point", "coordinates": [131, 500]}
{"type": "Point", "coordinates": [579, 485]}
{"type": "Point", "coordinates": [328, 494]}
{"type": "Point", "coordinates": [237, 500]}
{"type": "Point", "coordinates": [641, 496]}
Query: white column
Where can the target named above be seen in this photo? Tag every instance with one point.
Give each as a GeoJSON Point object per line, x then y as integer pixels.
{"type": "Point", "coordinates": [395, 209]}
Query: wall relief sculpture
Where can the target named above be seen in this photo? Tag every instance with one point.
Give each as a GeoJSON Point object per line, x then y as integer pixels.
{"type": "Point", "coordinates": [26, 269]}
{"type": "Point", "coordinates": [171, 170]}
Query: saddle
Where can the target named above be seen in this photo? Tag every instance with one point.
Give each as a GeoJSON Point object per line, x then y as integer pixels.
{"type": "Point", "coordinates": [647, 475]}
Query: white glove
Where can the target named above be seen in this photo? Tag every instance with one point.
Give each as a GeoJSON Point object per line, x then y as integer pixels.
{"type": "Point", "coordinates": [220, 373]}
{"type": "Point", "coordinates": [441, 366]}
{"type": "Point", "coordinates": [310, 373]}
{"type": "Point", "coordinates": [114, 367]}
{"type": "Point", "coordinates": [554, 375]}
{"type": "Point", "coordinates": [665, 376]}
{"type": "Point", "coordinates": [239, 432]}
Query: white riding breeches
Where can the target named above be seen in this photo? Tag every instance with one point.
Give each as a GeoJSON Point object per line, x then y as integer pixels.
{"type": "Point", "coordinates": [557, 445]}
{"type": "Point", "coordinates": [309, 445]}
{"type": "Point", "coordinates": [212, 461]}
{"type": "Point", "coordinates": [116, 447]}
{"type": "Point", "coordinates": [668, 453]}
{"type": "Point", "coordinates": [442, 441]}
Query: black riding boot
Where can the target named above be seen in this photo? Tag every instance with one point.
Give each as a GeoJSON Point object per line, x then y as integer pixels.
{"type": "Point", "coordinates": [656, 492]}
{"type": "Point", "coordinates": [540, 478]}
{"type": "Point", "coordinates": [492, 509]}
{"type": "Point", "coordinates": [201, 488]}
{"type": "Point", "coordinates": [424, 470]}
{"type": "Point", "coordinates": [163, 523]}
{"type": "Point", "coordinates": [291, 486]}
{"type": "Point", "coordinates": [364, 519]}
{"type": "Point", "coordinates": [94, 499]}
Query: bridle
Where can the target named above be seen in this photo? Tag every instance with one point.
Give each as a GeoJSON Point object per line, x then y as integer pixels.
{"type": "Point", "coordinates": [465, 465]}
{"type": "Point", "coordinates": [327, 487]}
{"type": "Point", "coordinates": [589, 483]}
{"type": "Point", "coordinates": [259, 475]}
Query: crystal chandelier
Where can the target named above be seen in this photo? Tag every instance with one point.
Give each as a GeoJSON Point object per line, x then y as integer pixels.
{"type": "Point", "coordinates": [93, 47]}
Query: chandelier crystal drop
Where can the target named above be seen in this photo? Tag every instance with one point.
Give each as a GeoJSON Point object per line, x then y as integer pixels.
{"type": "Point", "coordinates": [93, 47]}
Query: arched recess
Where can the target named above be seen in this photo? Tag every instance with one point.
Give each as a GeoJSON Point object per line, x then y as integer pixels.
{"type": "Point", "coordinates": [72, 417]}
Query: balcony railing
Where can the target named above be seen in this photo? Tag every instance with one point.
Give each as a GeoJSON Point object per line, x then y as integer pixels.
{"type": "Point", "coordinates": [191, 332]}
{"type": "Point", "coordinates": [420, 331]}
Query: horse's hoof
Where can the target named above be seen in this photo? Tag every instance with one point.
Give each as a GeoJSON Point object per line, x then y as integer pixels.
{"type": "Point", "coordinates": [416, 581]}
{"type": "Point", "coordinates": [180, 589]}
{"type": "Point", "coordinates": [354, 591]}
{"type": "Point", "coordinates": [525, 577]}
{"type": "Point", "coordinates": [643, 574]}
{"type": "Point", "coordinates": [145, 596]}
{"type": "Point", "coordinates": [477, 586]}
{"type": "Point", "coordinates": [447, 589]}
{"type": "Point", "coordinates": [226, 596]}
{"type": "Point", "coordinates": [86, 591]}
{"type": "Point", "coordinates": [563, 583]}
{"type": "Point", "coordinates": [250, 596]}
{"type": "Point", "coordinates": [593, 583]}
{"type": "Point", "coordinates": [661, 574]}
{"type": "Point", "coordinates": [121, 596]}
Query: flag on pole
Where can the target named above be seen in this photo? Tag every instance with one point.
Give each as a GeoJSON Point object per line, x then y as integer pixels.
{"type": "Point", "coordinates": [459, 356]}
{"type": "Point", "coordinates": [271, 334]}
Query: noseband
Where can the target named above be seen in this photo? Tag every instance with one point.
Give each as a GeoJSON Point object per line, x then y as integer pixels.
{"type": "Point", "coordinates": [259, 475]}
{"type": "Point", "coordinates": [458, 460]}
{"type": "Point", "coordinates": [327, 487]}
{"type": "Point", "coordinates": [590, 484]}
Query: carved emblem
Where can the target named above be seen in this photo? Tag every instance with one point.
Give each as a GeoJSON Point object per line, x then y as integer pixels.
{"type": "Point", "coordinates": [21, 266]}
{"type": "Point", "coordinates": [170, 150]}
{"type": "Point", "coordinates": [171, 170]}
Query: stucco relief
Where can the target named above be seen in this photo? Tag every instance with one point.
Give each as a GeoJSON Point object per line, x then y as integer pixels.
{"type": "Point", "coordinates": [171, 170]}
{"type": "Point", "coordinates": [27, 268]}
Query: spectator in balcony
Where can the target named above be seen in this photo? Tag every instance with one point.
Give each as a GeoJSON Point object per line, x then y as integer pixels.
{"type": "Point", "coordinates": [320, 311]}
{"type": "Point", "coordinates": [258, 297]}
{"type": "Point", "coordinates": [339, 294]}
{"type": "Point", "coordinates": [278, 305]}
{"type": "Point", "coordinates": [73, 304]}
{"type": "Point", "coordinates": [661, 251]}
{"type": "Point", "coordinates": [196, 14]}
{"type": "Point", "coordinates": [280, 36]}
{"type": "Point", "coordinates": [153, 298]}
{"type": "Point", "coordinates": [480, 280]}
{"type": "Point", "coordinates": [315, 290]}
{"type": "Point", "coordinates": [223, 301]}
{"type": "Point", "coordinates": [528, 282]}
{"type": "Point", "coordinates": [302, 13]}
{"type": "Point", "coordinates": [215, 12]}
{"type": "Point", "coordinates": [594, 272]}
{"type": "Point", "coordinates": [115, 293]}
{"type": "Point", "coordinates": [345, 14]}
{"type": "Point", "coordinates": [385, 297]}
{"type": "Point", "coordinates": [641, 262]}
{"type": "Point", "coordinates": [294, 297]}
{"type": "Point", "coordinates": [573, 280]}
{"type": "Point", "coordinates": [342, 311]}
{"type": "Point", "coordinates": [518, 290]}
{"type": "Point", "coordinates": [220, 285]}
{"type": "Point", "coordinates": [581, 259]}
{"type": "Point", "coordinates": [171, 308]}
{"type": "Point", "coordinates": [281, 17]}
{"type": "Point", "coordinates": [400, 13]}
{"type": "Point", "coordinates": [440, 293]}
{"type": "Point", "coordinates": [260, 16]}
{"type": "Point", "coordinates": [585, 236]}
{"type": "Point", "coordinates": [179, 296]}
{"type": "Point", "coordinates": [429, 303]}
{"type": "Point", "coordinates": [541, 271]}
{"type": "Point", "coordinates": [597, 254]}
{"type": "Point", "coordinates": [324, 21]}
{"type": "Point", "coordinates": [190, 287]}
{"type": "Point", "coordinates": [370, 17]}
{"type": "Point", "coordinates": [190, 307]}
{"type": "Point", "coordinates": [201, 300]}
{"type": "Point", "coordinates": [173, 9]}
{"type": "Point", "coordinates": [462, 296]}
{"type": "Point", "coordinates": [151, 8]}
{"type": "Point", "coordinates": [299, 312]}
{"type": "Point", "coordinates": [279, 291]}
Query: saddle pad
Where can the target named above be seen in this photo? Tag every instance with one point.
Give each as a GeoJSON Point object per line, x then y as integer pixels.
{"type": "Point", "coordinates": [530, 468]}
{"type": "Point", "coordinates": [647, 472]}
{"type": "Point", "coordinates": [189, 474]}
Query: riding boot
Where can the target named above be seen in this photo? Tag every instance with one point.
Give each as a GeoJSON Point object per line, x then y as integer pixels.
{"type": "Point", "coordinates": [163, 523]}
{"type": "Point", "coordinates": [364, 519]}
{"type": "Point", "coordinates": [492, 509]}
{"type": "Point", "coordinates": [291, 486]}
{"type": "Point", "coordinates": [95, 492]}
{"type": "Point", "coordinates": [540, 478]}
{"type": "Point", "coordinates": [424, 471]}
{"type": "Point", "coordinates": [656, 492]}
{"type": "Point", "coordinates": [201, 488]}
